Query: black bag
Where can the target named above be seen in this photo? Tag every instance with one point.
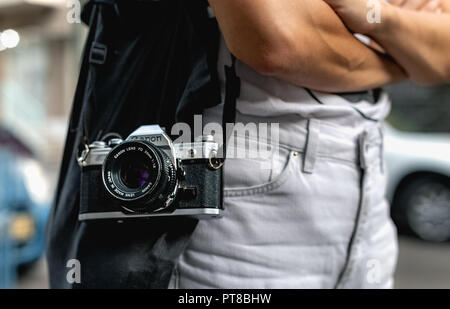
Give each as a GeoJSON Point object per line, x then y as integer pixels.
{"type": "Point", "coordinates": [145, 62]}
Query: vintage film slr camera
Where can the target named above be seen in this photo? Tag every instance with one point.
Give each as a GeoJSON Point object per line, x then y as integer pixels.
{"type": "Point", "coordinates": [149, 175]}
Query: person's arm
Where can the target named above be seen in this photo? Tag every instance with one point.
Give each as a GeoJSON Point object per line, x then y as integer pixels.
{"type": "Point", "coordinates": [419, 41]}
{"type": "Point", "coordinates": [302, 42]}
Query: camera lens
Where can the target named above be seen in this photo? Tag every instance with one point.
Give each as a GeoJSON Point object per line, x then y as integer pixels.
{"type": "Point", "coordinates": [135, 171]}
{"type": "Point", "coordinates": [140, 175]}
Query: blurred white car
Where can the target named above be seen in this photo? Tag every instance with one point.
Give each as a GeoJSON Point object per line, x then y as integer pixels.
{"type": "Point", "coordinates": [418, 165]}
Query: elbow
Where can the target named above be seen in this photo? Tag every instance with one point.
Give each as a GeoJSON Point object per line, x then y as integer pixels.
{"type": "Point", "coordinates": [265, 64]}
{"type": "Point", "coordinates": [269, 64]}
{"type": "Point", "coordinates": [434, 76]}
{"type": "Point", "coordinates": [270, 61]}
{"type": "Point", "coordinates": [269, 55]}
{"type": "Point", "coordinates": [432, 79]}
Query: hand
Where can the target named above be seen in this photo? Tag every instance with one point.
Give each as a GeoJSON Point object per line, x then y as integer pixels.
{"type": "Point", "coordinates": [356, 13]}
{"type": "Point", "coordinates": [431, 6]}
{"type": "Point", "coordinates": [360, 15]}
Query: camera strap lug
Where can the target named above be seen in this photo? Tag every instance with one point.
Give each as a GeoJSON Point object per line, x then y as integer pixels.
{"type": "Point", "coordinates": [84, 154]}
{"type": "Point", "coordinates": [214, 162]}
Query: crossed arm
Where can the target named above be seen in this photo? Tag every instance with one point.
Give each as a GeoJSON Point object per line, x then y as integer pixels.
{"type": "Point", "coordinates": [413, 32]}
{"type": "Point", "coordinates": [302, 42]}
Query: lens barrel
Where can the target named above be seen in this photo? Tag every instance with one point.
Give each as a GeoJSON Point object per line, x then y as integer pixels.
{"type": "Point", "coordinates": [140, 175]}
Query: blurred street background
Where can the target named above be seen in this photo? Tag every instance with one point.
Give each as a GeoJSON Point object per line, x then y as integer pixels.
{"type": "Point", "coordinates": [41, 44]}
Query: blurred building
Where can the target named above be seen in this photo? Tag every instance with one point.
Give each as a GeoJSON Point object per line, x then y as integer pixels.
{"type": "Point", "coordinates": [38, 76]}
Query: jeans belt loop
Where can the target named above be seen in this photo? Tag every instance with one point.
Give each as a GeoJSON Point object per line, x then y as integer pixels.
{"type": "Point", "coordinates": [312, 145]}
{"type": "Point", "coordinates": [381, 130]}
{"type": "Point", "coordinates": [363, 149]}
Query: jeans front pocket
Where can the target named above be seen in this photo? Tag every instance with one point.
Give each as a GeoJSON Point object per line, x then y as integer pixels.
{"type": "Point", "coordinates": [258, 177]}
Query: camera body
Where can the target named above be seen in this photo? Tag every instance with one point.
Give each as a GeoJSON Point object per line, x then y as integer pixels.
{"type": "Point", "coordinates": [148, 175]}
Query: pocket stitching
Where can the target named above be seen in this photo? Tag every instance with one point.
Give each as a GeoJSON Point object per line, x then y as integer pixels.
{"type": "Point", "coordinates": [267, 187]}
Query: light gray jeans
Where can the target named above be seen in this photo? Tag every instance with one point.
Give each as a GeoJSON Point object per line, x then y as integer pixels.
{"type": "Point", "coordinates": [316, 218]}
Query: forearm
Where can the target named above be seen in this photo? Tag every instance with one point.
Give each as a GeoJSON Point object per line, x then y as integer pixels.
{"type": "Point", "coordinates": [331, 59]}
{"type": "Point", "coordinates": [418, 41]}
{"type": "Point", "coordinates": [302, 42]}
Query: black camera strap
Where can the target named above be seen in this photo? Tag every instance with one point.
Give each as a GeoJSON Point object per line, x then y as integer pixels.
{"type": "Point", "coordinates": [232, 93]}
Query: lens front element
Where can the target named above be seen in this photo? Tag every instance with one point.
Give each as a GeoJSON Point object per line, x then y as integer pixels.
{"type": "Point", "coordinates": [135, 173]}
{"type": "Point", "coordinates": [135, 170]}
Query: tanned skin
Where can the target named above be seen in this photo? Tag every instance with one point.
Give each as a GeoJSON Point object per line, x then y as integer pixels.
{"type": "Point", "coordinates": [302, 42]}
